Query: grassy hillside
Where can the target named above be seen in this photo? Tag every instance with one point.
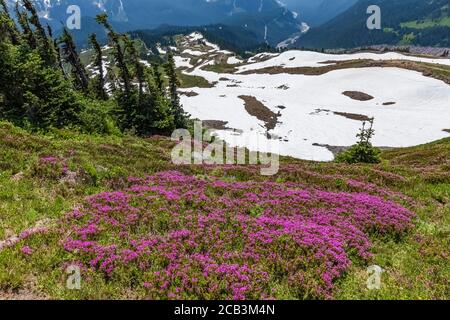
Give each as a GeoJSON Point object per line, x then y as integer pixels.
{"type": "Point", "coordinates": [53, 188]}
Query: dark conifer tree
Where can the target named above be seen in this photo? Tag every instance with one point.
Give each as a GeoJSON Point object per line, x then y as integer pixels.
{"type": "Point", "coordinates": [71, 56]}
{"type": "Point", "coordinates": [159, 81]}
{"type": "Point", "coordinates": [44, 43]}
{"type": "Point", "coordinates": [180, 117]}
{"type": "Point", "coordinates": [57, 50]}
{"type": "Point", "coordinates": [138, 67]}
{"type": "Point", "coordinates": [8, 27]}
{"type": "Point", "coordinates": [27, 32]}
{"type": "Point", "coordinates": [119, 53]}
{"type": "Point", "coordinates": [98, 62]}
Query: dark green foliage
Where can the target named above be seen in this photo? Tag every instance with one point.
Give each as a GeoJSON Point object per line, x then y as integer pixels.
{"type": "Point", "coordinates": [34, 93]}
{"type": "Point", "coordinates": [363, 151]}
{"type": "Point", "coordinates": [27, 32]}
{"type": "Point", "coordinates": [99, 80]}
{"type": "Point", "coordinates": [7, 26]}
{"type": "Point", "coordinates": [71, 56]}
{"type": "Point", "coordinates": [119, 53]}
{"type": "Point", "coordinates": [180, 117]}
{"type": "Point", "coordinates": [404, 22]}
{"type": "Point", "coordinates": [44, 43]}
{"type": "Point", "coordinates": [44, 84]}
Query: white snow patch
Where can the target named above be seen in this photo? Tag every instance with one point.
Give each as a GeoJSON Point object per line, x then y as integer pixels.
{"type": "Point", "coordinates": [193, 52]}
{"type": "Point", "coordinates": [181, 62]}
{"type": "Point", "coordinates": [234, 60]}
{"type": "Point", "coordinates": [161, 50]}
{"type": "Point", "coordinates": [420, 112]}
{"type": "Point", "coordinates": [195, 36]}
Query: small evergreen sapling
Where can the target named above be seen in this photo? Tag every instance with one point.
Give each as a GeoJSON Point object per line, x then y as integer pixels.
{"type": "Point", "coordinates": [362, 151]}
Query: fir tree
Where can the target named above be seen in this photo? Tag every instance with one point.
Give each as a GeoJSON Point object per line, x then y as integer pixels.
{"type": "Point", "coordinates": [138, 67]}
{"type": "Point", "coordinates": [119, 53]}
{"type": "Point", "coordinates": [98, 62]}
{"type": "Point", "coordinates": [180, 117]}
{"type": "Point", "coordinates": [71, 56]}
{"type": "Point", "coordinates": [27, 32]}
{"type": "Point", "coordinates": [44, 43]}
{"type": "Point", "coordinates": [158, 77]}
{"type": "Point", "coordinates": [7, 25]}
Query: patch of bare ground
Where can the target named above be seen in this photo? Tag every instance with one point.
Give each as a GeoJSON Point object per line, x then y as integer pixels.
{"type": "Point", "coordinates": [12, 240]}
{"type": "Point", "coordinates": [29, 291]}
{"type": "Point", "coordinates": [388, 103]}
{"type": "Point", "coordinates": [357, 95]}
{"type": "Point", "coordinates": [446, 130]}
{"type": "Point", "coordinates": [215, 124]}
{"type": "Point", "coordinates": [352, 116]}
{"type": "Point", "coordinates": [218, 125]}
{"type": "Point", "coordinates": [189, 93]}
{"type": "Point", "coordinates": [263, 57]}
{"type": "Point", "coordinates": [220, 65]}
{"type": "Point", "coordinates": [439, 72]}
{"type": "Point", "coordinates": [335, 150]}
{"type": "Point", "coordinates": [256, 108]}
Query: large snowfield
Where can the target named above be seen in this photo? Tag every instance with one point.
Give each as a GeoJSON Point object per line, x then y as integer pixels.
{"type": "Point", "coordinates": [417, 110]}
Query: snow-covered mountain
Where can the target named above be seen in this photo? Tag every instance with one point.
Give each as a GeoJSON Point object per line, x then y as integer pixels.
{"type": "Point", "coordinates": [268, 19]}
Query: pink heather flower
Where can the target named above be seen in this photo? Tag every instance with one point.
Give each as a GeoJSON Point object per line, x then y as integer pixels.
{"type": "Point", "coordinates": [49, 159]}
{"type": "Point", "coordinates": [26, 250]}
{"type": "Point", "coordinates": [208, 238]}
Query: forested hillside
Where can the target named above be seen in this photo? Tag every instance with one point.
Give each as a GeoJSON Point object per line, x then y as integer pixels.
{"type": "Point", "coordinates": [404, 22]}
{"type": "Point", "coordinates": [45, 85]}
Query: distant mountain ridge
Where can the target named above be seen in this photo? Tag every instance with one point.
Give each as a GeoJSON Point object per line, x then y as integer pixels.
{"type": "Point", "coordinates": [269, 20]}
{"type": "Point", "coordinates": [317, 12]}
{"type": "Point", "coordinates": [404, 22]}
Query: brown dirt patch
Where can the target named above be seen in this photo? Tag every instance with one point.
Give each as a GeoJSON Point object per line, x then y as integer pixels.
{"type": "Point", "coordinates": [389, 103]}
{"type": "Point", "coordinates": [28, 291]}
{"type": "Point", "coordinates": [215, 124]}
{"type": "Point", "coordinates": [189, 94]}
{"type": "Point", "coordinates": [218, 125]}
{"type": "Point", "coordinates": [357, 95]}
{"type": "Point", "coordinates": [446, 130]}
{"type": "Point", "coordinates": [257, 109]}
{"type": "Point", "coordinates": [14, 239]}
{"type": "Point", "coordinates": [352, 116]}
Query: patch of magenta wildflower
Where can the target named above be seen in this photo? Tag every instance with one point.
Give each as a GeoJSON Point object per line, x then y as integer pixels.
{"type": "Point", "coordinates": [51, 167]}
{"type": "Point", "coordinates": [26, 250]}
{"type": "Point", "coordinates": [194, 238]}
